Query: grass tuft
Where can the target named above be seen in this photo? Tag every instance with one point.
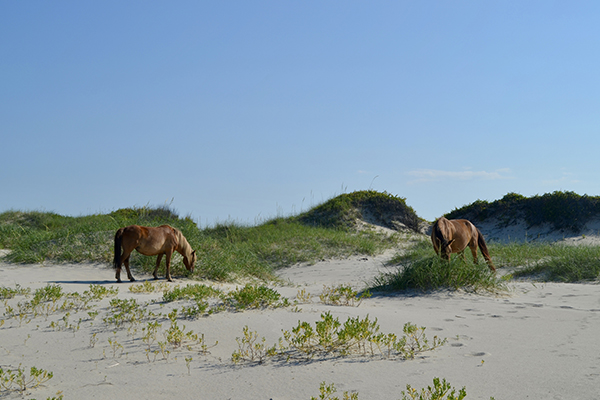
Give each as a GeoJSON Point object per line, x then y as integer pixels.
{"type": "Point", "coordinates": [421, 269]}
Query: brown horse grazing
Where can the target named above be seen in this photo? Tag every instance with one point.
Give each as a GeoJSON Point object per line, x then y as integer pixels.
{"type": "Point", "coordinates": [453, 236]}
{"type": "Point", "coordinates": [150, 241]}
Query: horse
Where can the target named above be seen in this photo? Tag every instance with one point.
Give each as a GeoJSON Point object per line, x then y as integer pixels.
{"type": "Point", "coordinates": [453, 236]}
{"type": "Point", "coordinates": [150, 241]}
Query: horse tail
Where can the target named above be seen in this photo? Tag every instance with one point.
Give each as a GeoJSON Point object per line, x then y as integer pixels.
{"type": "Point", "coordinates": [118, 245]}
{"type": "Point", "coordinates": [484, 249]}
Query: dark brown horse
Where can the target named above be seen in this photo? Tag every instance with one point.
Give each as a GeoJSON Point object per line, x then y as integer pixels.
{"type": "Point", "coordinates": [149, 241]}
{"type": "Point", "coordinates": [454, 235]}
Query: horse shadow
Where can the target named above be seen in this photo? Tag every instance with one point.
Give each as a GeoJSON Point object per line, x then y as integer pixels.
{"type": "Point", "coordinates": [97, 282]}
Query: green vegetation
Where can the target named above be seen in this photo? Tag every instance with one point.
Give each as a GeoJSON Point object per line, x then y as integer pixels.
{"type": "Point", "coordinates": [19, 380]}
{"type": "Point", "coordinates": [331, 338]}
{"type": "Point", "coordinates": [342, 295]}
{"type": "Point", "coordinates": [549, 262]}
{"type": "Point", "coordinates": [8, 293]}
{"type": "Point", "coordinates": [421, 269]}
{"type": "Point", "coordinates": [439, 391]}
{"type": "Point", "coordinates": [381, 208]}
{"type": "Point", "coordinates": [563, 210]}
{"type": "Point", "coordinates": [327, 392]}
{"type": "Point", "coordinates": [225, 252]}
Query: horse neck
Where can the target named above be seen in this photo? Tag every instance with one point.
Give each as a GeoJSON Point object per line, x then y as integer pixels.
{"type": "Point", "coordinates": [444, 231]}
{"type": "Point", "coordinates": [183, 247]}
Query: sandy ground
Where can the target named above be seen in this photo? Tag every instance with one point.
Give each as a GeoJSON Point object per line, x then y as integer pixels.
{"type": "Point", "coordinates": [538, 342]}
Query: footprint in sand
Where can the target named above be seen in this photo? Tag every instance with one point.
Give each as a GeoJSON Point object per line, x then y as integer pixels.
{"type": "Point", "coordinates": [477, 354]}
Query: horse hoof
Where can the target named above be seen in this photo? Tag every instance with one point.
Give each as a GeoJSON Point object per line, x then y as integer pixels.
{"type": "Point", "coordinates": [132, 279]}
{"type": "Point", "coordinates": [118, 281]}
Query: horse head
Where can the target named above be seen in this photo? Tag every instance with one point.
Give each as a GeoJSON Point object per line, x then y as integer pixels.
{"type": "Point", "coordinates": [446, 248]}
{"type": "Point", "coordinates": [190, 261]}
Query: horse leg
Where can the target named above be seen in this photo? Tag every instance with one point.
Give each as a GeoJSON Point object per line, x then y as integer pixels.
{"type": "Point", "coordinates": [158, 259]}
{"type": "Point", "coordinates": [168, 262]}
{"type": "Point", "coordinates": [123, 260]}
{"type": "Point", "coordinates": [118, 274]}
{"type": "Point", "coordinates": [473, 248]}
{"type": "Point", "coordinates": [126, 262]}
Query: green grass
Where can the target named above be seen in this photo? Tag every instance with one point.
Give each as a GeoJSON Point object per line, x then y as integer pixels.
{"type": "Point", "coordinates": [343, 210]}
{"type": "Point", "coordinates": [421, 269]}
{"type": "Point", "coordinates": [549, 262]}
{"type": "Point", "coordinates": [225, 252]}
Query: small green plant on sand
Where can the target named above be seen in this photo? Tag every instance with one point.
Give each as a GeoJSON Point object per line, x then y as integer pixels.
{"type": "Point", "coordinates": [331, 338]}
{"type": "Point", "coordinates": [19, 380]}
{"type": "Point", "coordinates": [149, 287]}
{"type": "Point", "coordinates": [116, 347]}
{"type": "Point", "coordinates": [251, 349]}
{"type": "Point", "coordinates": [188, 361]}
{"type": "Point", "coordinates": [8, 293]}
{"type": "Point", "coordinates": [303, 296]}
{"type": "Point", "coordinates": [252, 297]}
{"type": "Point", "coordinates": [342, 296]}
{"type": "Point", "coordinates": [439, 391]}
{"type": "Point", "coordinates": [327, 392]}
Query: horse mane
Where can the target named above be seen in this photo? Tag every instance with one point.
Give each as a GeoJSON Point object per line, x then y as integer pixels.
{"type": "Point", "coordinates": [441, 229]}
{"type": "Point", "coordinates": [183, 245]}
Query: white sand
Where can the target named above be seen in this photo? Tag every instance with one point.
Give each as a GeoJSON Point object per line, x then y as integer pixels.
{"type": "Point", "coordinates": [539, 342]}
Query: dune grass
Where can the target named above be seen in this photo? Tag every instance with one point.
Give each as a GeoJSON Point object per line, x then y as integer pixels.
{"type": "Point", "coordinates": [421, 269]}
{"type": "Point", "coordinates": [549, 262]}
{"type": "Point", "coordinates": [225, 252]}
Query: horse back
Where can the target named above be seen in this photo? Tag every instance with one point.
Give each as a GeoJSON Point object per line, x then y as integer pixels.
{"type": "Point", "coordinates": [149, 240]}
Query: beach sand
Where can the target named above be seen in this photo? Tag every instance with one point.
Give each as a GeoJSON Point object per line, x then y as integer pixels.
{"type": "Point", "coordinates": [539, 341]}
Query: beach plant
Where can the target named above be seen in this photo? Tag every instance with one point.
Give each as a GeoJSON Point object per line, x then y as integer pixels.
{"type": "Point", "coordinates": [326, 392]}
{"type": "Point", "coordinates": [252, 297]}
{"type": "Point", "coordinates": [50, 292]}
{"type": "Point", "coordinates": [124, 311]}
{"type": "Point", "coordinates": [99, 292]}
{"type": "Point", "coordinates": [303, 296]}
{"type": "Point", "coordinates": [188, 361]}
{"type": "Point", "coordinates": [421, 269]}
{"type": "Point", "coordinates": [565, 264]}
{"type": "Point", "coordinates": [189, 292]}
{"type": "Point", "coordinates": [19, 380]}
{"type": "Point", "coordinates": [251, 348]}
{"type": "Point", "coordinates": [149, 287]}
{"type": "Point", "coordinates": [9, 293]}
{"type": "Point", "coordinates": [151, 331]}
{"type": "Point", "coordinates": [162, 350]}
{"type": "Point", "coordinates": [331, 338]}
{"type": "Point", "coordinates": [441, 390]}
{"type": "Point", "coordinates": [93, 339]}
{"type": "Point", "coordinates": [342, 295]}
{"type": "Point", "coordinates": [198, 294]}
{"type": "Point", "coordinates": [115, 346]}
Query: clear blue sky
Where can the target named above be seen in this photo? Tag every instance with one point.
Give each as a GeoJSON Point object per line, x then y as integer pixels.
{"type": "Point", "coordinates": [244, 110]}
